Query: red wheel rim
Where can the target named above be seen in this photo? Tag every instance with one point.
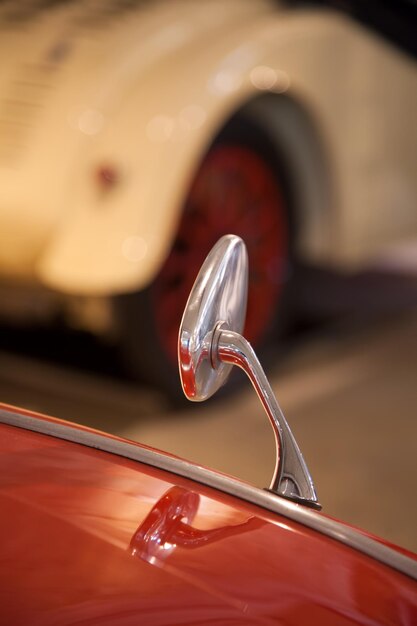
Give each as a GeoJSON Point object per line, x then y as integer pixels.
{"type": "Point", "coordinates": [235, 191]}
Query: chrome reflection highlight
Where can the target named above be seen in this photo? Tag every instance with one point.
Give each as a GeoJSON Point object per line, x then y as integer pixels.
{"type": "Point", "coordinates": [210, 343]}
{"type": "Point", "coordinates": [169, 525]}
{"type": "Point", "coordinates": [219, 293]}
{"type": "Point", "coordinates": [163, 528]}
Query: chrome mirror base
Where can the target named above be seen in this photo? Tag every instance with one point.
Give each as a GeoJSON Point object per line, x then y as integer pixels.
{"type": "Point", "coordinates": [209, 344]}
{"type": "Point", "coordinates": [291, 478]}
{"type": "Point", "coordinates": [312, 504]}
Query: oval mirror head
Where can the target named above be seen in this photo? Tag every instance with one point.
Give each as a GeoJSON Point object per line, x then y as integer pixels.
{"type": "Point", "coordinates": [218, 297]}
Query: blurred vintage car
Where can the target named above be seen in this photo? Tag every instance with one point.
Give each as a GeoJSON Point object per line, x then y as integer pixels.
{"type": "Point", "coordinates": [133, 134]}
{"type": "Point", "coordinates": [100, 530]}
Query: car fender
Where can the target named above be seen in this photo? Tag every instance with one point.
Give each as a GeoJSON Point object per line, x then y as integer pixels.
{"type": "Point", "coordinates": [139, 126]}
{"type": "Point", "coordinates": [115, 240]}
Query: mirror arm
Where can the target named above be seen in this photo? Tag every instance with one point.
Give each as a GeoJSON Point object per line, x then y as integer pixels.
{"type": "Point", "coordinates": [291, 477]}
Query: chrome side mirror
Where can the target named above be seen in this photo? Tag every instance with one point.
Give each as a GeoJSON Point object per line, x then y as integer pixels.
{"type": "Point", "coordinates": [210, 343]}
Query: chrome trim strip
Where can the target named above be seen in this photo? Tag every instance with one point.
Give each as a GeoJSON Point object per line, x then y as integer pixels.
{"type": "Point", "coordinates": [307, 517]}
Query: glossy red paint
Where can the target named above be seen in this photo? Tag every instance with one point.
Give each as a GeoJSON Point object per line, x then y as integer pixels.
{"type": "Point", "coordinates": [70, 551]}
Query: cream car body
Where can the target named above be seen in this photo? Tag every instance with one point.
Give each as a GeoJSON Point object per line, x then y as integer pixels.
{"type": "Point", "coordinates": [144, 91]}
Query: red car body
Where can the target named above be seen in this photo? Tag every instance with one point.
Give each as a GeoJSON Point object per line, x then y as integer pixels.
{"type": "Point", "coordinates": [98, 530]}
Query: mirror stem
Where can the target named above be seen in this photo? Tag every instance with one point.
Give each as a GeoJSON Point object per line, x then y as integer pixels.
{"type": "Point", "coordinates": [291, 477]}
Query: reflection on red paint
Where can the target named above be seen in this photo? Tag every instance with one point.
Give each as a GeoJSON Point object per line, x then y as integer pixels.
{"type": "Point", "coordinates": [68, 516]}
{"type": "Point", "coordinates": [169, 525]}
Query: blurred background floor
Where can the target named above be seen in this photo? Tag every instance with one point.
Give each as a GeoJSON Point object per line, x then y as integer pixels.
{"type": "Point", "coordinates": [347, 388]}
